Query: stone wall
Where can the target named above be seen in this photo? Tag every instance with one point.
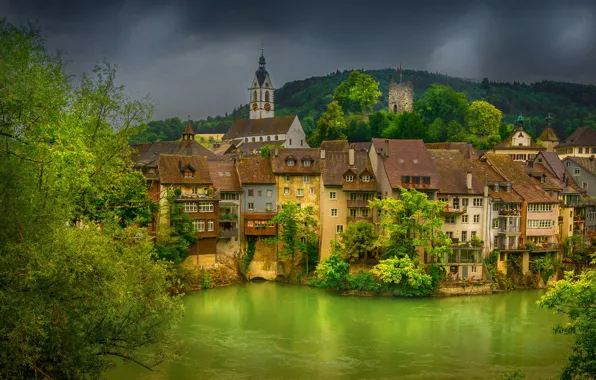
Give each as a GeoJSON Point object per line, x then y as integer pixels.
{"type": "Point", "coordinates": [458, 290]}
{"type": "Point", "coordinates": [401, 97]}
{"type": "Point", "coordinates": [264, 263]}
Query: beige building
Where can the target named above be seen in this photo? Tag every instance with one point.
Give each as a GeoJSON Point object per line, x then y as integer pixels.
{"type": "Point", "coordinates": [519, 145]}
{"type": "Point", "coordinates": [581, 143]}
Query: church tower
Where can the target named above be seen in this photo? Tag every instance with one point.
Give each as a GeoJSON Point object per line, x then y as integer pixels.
{"type": "Point", "coordinates": [261, 93]}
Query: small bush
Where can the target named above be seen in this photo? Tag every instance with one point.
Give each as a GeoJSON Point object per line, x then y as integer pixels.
{"type": "Point", "coordinates": [364, 281]}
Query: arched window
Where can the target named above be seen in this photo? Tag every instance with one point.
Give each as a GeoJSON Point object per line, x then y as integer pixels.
{"type": "Point", "coordinates": [266, 96]}
{"type": "Point", "coordinates": [246, 139]}
{"type": "Point", "coordinates": [276, 137]}
{"type": "Point", "coordinates": [268, 138]}
{"type": "Point", "coordinates": [253, 139]}
{"type": "Point", "coordinates": [261, 138]}
{"type": "Point", "coordinates": [254, 98]}
{"type": "Point", "coordinates": [395, 108]}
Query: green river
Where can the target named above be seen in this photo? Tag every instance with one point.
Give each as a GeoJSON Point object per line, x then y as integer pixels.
{"type": "Point", "coordinates": [275, 331]}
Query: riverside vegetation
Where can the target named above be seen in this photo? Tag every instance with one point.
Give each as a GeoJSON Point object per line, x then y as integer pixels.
{"type": "Point", "coordinates": [84, 283]}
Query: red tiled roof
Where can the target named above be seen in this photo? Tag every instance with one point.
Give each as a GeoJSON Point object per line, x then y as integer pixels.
{"type": "Point", "coordinates": [172, 168]}
{"type": "Point", "coordinates": [508, 143]}
{"type": "Point", "coordinates": [337, 163]}
{"type": "Point", "coordinates": [453, 170]}
{"type": "Point", "coordinates": [548, 135]}
{"type": "Point", "coordinates": [335, 146]}
{"type": "Point", "coordinates": [278, 164]}
{"type": "Point", "coordinates": [188, 130]}
{"type": "Point", "coordinates": [466, 149]}
{"type": "Point", "coordinates": [258, 127]}
{"type": "Point", "coordinates": [151, 154]}
{"type": "Point", "coordinates": [582, 136]}
{"type": "Point", "coordinates": [224, 176]}
{"type": "Point", "coordinates": [406, 158]}
{"type": "Point", "coordinates": [255, 170]}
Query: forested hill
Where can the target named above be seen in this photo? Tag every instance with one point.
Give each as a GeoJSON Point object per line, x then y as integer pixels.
{"type": "Point", "coordinates": [572, 105]}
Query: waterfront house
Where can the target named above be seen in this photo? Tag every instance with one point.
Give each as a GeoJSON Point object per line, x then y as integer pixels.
{"type": "Point", "coordinates": [187, 177]}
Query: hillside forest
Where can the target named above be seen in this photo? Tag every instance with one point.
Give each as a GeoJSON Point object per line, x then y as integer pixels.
{"type": "Point", "coordinates": [441, 104]}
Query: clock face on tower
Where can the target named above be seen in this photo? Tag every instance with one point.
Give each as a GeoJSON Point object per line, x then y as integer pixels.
{"type": "Point", "coordinates": [255, 106]}
{"type": "Point", "coordinates": [267, 107]}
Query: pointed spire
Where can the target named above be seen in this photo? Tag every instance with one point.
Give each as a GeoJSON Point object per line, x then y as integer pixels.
{"type": "Point", "coordinates": [262, 58]}
{"type": "Point", "coordinates": [188, 133]}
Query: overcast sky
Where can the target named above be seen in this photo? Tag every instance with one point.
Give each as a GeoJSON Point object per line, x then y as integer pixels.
{"type": "Point", "coordinates": [198, 58]}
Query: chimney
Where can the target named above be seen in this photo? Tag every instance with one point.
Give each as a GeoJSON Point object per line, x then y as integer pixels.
{"type": "Point", "coordinates": [276, 152]}
{"type": "Point", "coordinates": [351, 157]}
{"type": "Point", "coordinates": [469, 180]}
{"type": "Point", "coordinates": [322, 154]}
{"type": "Point", "coordinates": [386, 149]}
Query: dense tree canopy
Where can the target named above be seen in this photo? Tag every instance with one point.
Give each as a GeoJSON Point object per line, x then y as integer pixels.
{"type": "Point", "coordinates": [359, 93]}
{"type": "Point", "coordinates": [331, 125]}
{"type": "Point", "coordinates": [79, 283]}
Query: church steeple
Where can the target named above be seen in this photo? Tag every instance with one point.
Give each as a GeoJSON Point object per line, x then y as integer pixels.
{"type": "Point", "coordinates": [261, 92]}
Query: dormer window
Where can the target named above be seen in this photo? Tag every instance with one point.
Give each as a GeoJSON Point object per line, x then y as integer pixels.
{"type": "Point", "coordinates": [187, 174]}
{"type": "Point", "coordinates": [365, 178]}
{"type": "Point", "coordinates": [349, 178]}
{"type": "Point", "coordinates": [290, 162]}
{"type": "Point", "coordinates": [306, 163]}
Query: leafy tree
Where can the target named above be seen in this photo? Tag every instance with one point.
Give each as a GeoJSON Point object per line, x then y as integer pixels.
{"type": "Point", "coordinates": [266, 150]}
{"type": "Point", "coordinates": [357, 241]}
{"type": "Point", "coordinates": [485, 85]}
{"type": "Point", "coordinates": [331, 125]}
{"type": "Point", "coordinates": [358, 130]}
{"type": "Point", "coordinates": [437, 131]}
{"type": "Point", "coordinates": [174, 240]}
{"type": "Point", "coordinates": [333, 272]}
{"type": "Point", "coordinates": [85, 288]}
{"type": "Point", "coordinates": [405, 277]}
{"type": "Point", "coordinates": [410, 222]}
{"type": "Point", "coordinates": [483, 119]}
{"type": "Point", "coordinates": [456, 132]}
{"type": "Point", "coordinates": [575, 296]}
{"type": "Point", "coordinates": [442, 102]}
{"type": "Point", "coordinates": [407, 125]}
{"type": "Point", "coordinates": [359, 93]}
{"type": "Point", "coordinates": [379, 121]}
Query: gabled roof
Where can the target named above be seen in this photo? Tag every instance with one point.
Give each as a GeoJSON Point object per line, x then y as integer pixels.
{"type": "Point", "coordinates": [548, 134]}
{"type": "Point", "coordinates": [172, 168]}
{"type": "Point", "coordinates": [406, 158]}
{"type": "Point", "coordinates": [453, 170]}
{"type": "Point", "coordinates": [222, 149]}
{"type": "Point", "coordinates": [256, 146]}
{"type": "Point", "coordinates": [585, 162]}
{"type": "Point", "coordinates": [361, 146]}
{"type": "Point", "coordinates": [335, 146]}
{"type": "Point", "coordinates": [279, 166]}
{"type": "Point", "coordinates": [464, 148]}
{"type": "Point", "coordinates": [508, 142]}
{"type": "Point", "coordinates": [188, 130]}
{"type": "Point", "coordinates": [255, 171]}
{"type": "Point", "coordinates": [259, 127]}
{"type": "Point", "coordinates": [582, 136]}
{"type": "Point", "coordinates": [551, 182]}
{"type": "Point", "coordinates": [552, 162]}
{"type": "Point", "coordinates": [151, 154]}
{"type": "Point", "coordinates": [224, 176]}
{"type": "Point", "coordinates": [336, 165]}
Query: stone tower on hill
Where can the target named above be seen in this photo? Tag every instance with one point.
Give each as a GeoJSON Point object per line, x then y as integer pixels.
{"type": "Point", "coordinates": [401, 97]}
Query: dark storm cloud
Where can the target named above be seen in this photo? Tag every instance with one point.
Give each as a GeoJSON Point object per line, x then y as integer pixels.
{"type": "Point", "coordinates": [198, 57]}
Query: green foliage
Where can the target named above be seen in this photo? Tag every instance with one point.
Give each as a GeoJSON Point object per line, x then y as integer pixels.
{"type": "Point", "coordinates": [78, 282]}
{"type": "Point", "coordinates": [358, 240]}
{"type": "Point", "coordinates": [404, 276]}
{"type": "Point", "coordinates": [410, 222]}
{"type": "Point", "coordinates": [205, 279]}
{"type": "Point", "coordinates": [364, 281]}
{"type": "Point", "coordinates": [491, 264]}
{"type": "Point", "coordinates": [359, 93]}
{"type": "Point", "coordinates": [248, 255]}
{"type": "Point", "coordinates": [406, 125]}
{"type": "Point", "coordinates": [174, 240]}
{"type": "Point", "coordinates": [483, 119]}
{"type": "Point", "coordinates": [575, 297]}
{"type": "Point", "coordinates": [331, 125]}
{"type": "Point", "coordinates": [266, 150]}
{"type": "Point", "coordinates": [515, 374]}
{"type": "Point", "coordinates": [358, 130]}
{"type": "Point", "coordinates": [545, 266]}
{"type": "Point", "coordinates": [503, 281]}
{"type": "Point", "coordinates": [579, 250]}
{"type": "Point", "coordinates": [332, 272]}
{"type": "Point", "coordinates": [442, 102]}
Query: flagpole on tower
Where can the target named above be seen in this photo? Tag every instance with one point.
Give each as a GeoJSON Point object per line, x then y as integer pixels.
{"type": "Point", "coordinates": [400, 72]}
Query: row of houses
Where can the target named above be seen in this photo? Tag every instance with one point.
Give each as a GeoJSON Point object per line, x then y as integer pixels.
{"type": "Point", "coordinates": [524, 208]}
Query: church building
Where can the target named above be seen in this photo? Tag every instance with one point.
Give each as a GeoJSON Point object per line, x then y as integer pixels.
{"type": "Point", "coordinates": [263, 127]}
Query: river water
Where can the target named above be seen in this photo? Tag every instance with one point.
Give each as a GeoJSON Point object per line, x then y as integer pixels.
{"type": "Point", "coordinates": [275, 331]}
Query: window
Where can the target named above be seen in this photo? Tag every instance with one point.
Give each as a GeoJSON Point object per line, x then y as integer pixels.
{"type": "Point", "coordinates": [290, 141]}
{"type": "Point", "coordinates": [290, 162]}
{"type": "Point", "coordinates": [253, 139]}
{"type": "Point", "coordinates": [349, 178]}
{"type": "Point", "coordinates": [417, 180]}
{"type": "Point", "coordinates": [306, 179]}
{"type": "Point", "coordinates": [449, 234]}
{"type": "Point", "coordinates": [210, 225]}
{"type": "Point", "coordinates": [464, 235]}
{"type": "Point", "coordinates": [478, 202]}
{"type": "Point", "coordinates": [339, 228]}
{"type": "Point", "coordinates": [287, 178]}
{"type": "Point", "coordinates": [476, 218]}
{"type": "Point", "coordinates": [593, 150]}
{"type": "Point", "coordinates": [261, 138]}
{"type": "Point", "coordinates": [187, 174]}
{"type": "Point", "coordinates": [286, 190]}
{"type": "Point", "coordinates": [405, 179]}
{"type": "Point", "coordinates": [299, 192]}
{"type": "Point", "coordinates": [301, 142]}
{"type": "Point", "coordinates": [266, 96]}
{"type": "Point", "coordinates": [259, 193]}
{"type": "Point", "coordinates": [268, 138]}
{"type": "Point", "coordinates": [276, 137]}
{"type": "Point", "coordinates": [584, 185]}
{"type": "Point", "coordinates": [464, 202]}
{"type": "Point", "coordinates": [198, 225]}
{"type": "Point", "coordinates": [269, 207]}
{"type": "Point", "coordinates": [254, 95]}
{"type": "Point", "coordinates": [246, 139]}
{"type": "Point", "coordinates": [353, 212]}
{"type": "Point", "coordinates": [205, 207]}
{"type": "Point", "coordinates": [365, 178]}
{"type": "Point", "coordinates": [365, 212]}
{"type": "Point", "coordinates": [251, 193]}
{"type": "Point", "coordinates": [332, 195]}
{"type": "Point", "coordinates": [269, 193]}
{"type": "Point", "coordinates": [444, 200]}
{"type": "Point", "coordinates": [576, 171]}
{"type": "Point", "coordinates": [251, 206]}
{"type": "Point", "coordinates": [450, 219]}
{"type": "Point", "coordinates": [568, 164]}
{"type": "Point", "coordinates": [426, 180]}
{"type": "Point", "coordinates": [540, 207]}
{"type": "Point", "coordinates": [580, 150]}
{"type": "Point", "coordinates": [306, 163]}
{"type": "Point", "coordinates": [464, 218]}
{"type": "Point", "coordinates": [190, 207]}
{"type": "Point", "coordinates": [333, 212]}
{"type": "Point", "coordinates": [540, 223]}
{"type": "Point", "coordinates": [194, 190]}
{"type": "Point", "coordinates": [473, 233]}
{"type": "Point", "coordinates": [312, 191]}
{"type": "Point", "coordinates": [496, 223]}
{"type": "Point", "coordinates": [353, 196]}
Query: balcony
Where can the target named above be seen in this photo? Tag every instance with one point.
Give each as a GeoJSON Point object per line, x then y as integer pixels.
{"type": "Point", "coordinates": [510, 212]}
{"type": "Point", "coordinates": [353, 203]}
{"type": "Point", "coordinates": [228, 233]}
{"type": "Point", "coordinates": [511, 247]}
{"type": "Point", "coordinates": [454, 210]}
{"type": "Point", "coordinates": [259, 230]}
{"type": "Point", "coordinates": [545, 247]}
{"type": "Point", "coordinates": [351, 219]}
